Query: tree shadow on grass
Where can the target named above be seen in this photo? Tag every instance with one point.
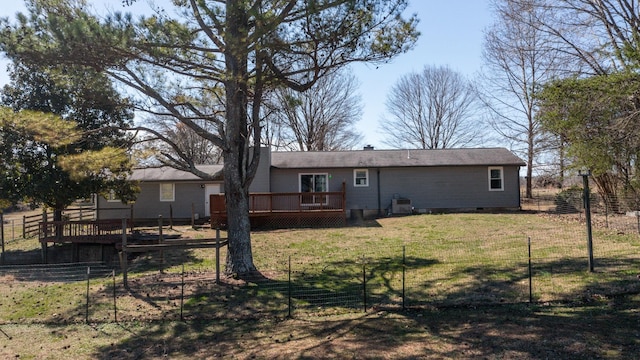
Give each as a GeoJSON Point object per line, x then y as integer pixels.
{"type": "Point", "coordinates": [507, 331]}
{"type": "Point", "coordinates": [248, 318]}
{"type": "Point", "coordinates": [560, 280]}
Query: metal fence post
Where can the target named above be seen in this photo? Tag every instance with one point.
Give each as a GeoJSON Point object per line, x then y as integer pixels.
{"type": "Point", "coordinates": [404, 267]}
{"type": "Point", "coordinates": [2, 236]}
{"type": "Point", "coordinates": [161, 240]}
{"type": "Point", "coordinates": [182, 294]}
{"type": "Point", "coordinates": [86, 314]}
{"type": "Point", "coordinates": [115, 306]}
{"type": "Point", "coordinates": [218, 256]}
{"type": "Point", "coordinates": [364, 284]}
{"type": "Point", "coordinates": [587, 212]}
{"type": "Point", "coordinates": [530, 272]}
{"type": "Point", "coordinates": [123, 260]}
{"type": "Point", "coordinates": [289, 290]}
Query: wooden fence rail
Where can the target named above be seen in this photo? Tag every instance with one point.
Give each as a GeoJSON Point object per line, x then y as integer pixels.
{"type": "Point", "coordinates": [30, 223]}
{"type": "Point", "coordinates": [163, 245]}
{"type": "Point", "coordinates": [86, 231]}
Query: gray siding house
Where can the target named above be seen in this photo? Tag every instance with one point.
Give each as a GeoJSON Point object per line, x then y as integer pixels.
{"type": "Point", "coordinates": [376, 182]}
{"type": "Point", "coordinates": [382, 182]}
{"type": "Point", "coordinates": [165, 192]}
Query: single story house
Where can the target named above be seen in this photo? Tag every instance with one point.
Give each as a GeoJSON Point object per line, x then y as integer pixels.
{"type": "Point", "coordinates": [382, 182]}
{"type": "Point", "coordinates": [375, 182]}
{"type": "Point", "coordinates": [166, 192]}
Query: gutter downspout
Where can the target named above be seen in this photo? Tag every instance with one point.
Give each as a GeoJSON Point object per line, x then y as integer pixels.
{"type": "Point", "coordinates": [379, 200]}
{"type": "Point", "coordinates": [519, 195]}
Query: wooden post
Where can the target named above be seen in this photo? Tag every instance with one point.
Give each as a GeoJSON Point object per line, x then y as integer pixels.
{"type": "Point", "coordinates": [131, 218]}
{"type": "Point", "coordinates": [96, 208]}
{"type": "Point", "coordinates": [44, 221]}
{"type": "Point", "coordinates": [75, 252]}
{"type": "Point", "coordinates": [44, 251]}
{"type": "Point", "coordinates": [160, 241]}
{"type": "Point", "coordinates": [123, 254]}
{"type": "Point", "coordinates": [193, 216]}
{"type": "Point", "coordinates": [42, 235]}
{"type": "Point", "coordinates": [344, 203]}
{"type": "Point", "coordinates": [170, 216]}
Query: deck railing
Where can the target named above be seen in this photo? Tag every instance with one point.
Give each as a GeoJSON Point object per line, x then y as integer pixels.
{"type": "Point", "coordinates": [80, 231]}
{"type": "Point", "coordinates": [296, 202]}
{"type": "Point", "coordinates": [307, 204]}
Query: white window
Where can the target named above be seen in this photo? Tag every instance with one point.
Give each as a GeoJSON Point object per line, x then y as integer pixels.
{"type": "Point", "coordinates": [314, 183]}
{"type": "Point", "coordinates": [167, 192]}
{"type": "Point", "coordinates": [111, 197]}
{"type": "Point", "coordinates": [496, 179]}
{"type": "Point", "coordinates": [360, 177]}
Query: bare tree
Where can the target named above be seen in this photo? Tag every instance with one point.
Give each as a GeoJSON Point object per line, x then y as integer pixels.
{"type": "Point", "coordinates": [319, 119]}
{"type": "Point", "coordinates": [518, 57]}
{"type": "Point", "coordinates": [593, 38]}
{"type": "Point", "coordinates": [154, 151]}
{"type": "Point", "coordinates": [600, 37]}
{"type": "Point", "coordinates": [431, 110]}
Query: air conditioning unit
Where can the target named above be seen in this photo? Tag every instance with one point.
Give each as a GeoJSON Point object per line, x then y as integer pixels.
{"type": "Point", "coordinates": [401, 206]}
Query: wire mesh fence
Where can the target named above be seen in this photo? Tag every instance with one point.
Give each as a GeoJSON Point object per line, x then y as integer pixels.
{"type": "Point", "coordinates": [482, 259]}
{"type": "Point", "coordinates": [414, 275]}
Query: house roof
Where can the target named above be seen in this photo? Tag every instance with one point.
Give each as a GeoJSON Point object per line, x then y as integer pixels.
{"type": "Point", "coordinates": [395, 158]}
{"type": "Point", "coordinates": [167, 173]}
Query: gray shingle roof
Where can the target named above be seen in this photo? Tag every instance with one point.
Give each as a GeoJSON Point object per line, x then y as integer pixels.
{"type": "Point", "coordinates": [394, 158]}
{"type": "Point", "coordinates": [166, 173]}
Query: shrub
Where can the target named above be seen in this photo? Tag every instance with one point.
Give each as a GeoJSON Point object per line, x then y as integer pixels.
{"type": "Point", "coordinates": [569, 200]}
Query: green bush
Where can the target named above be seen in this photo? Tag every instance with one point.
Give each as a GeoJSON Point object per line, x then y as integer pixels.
{"type": "Point", "coordinates": [569, 200]}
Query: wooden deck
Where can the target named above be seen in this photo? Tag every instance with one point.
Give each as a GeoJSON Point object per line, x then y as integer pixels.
{"type": "Point", "coordinates": [85, 232]}
{"type": "Point", "coordinates": [287, 209]}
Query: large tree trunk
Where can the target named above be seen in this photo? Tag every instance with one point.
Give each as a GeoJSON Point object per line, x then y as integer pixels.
{"type": "Point", "coordinates": [530, 155]}
{"type": "Point", "coordinates": [237, 177]}
{"type": "Point", "coordinates": [239, 254]}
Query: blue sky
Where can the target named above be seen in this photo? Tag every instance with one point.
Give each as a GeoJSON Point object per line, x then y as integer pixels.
{"type": "Point", "coordinates": [452, 34]}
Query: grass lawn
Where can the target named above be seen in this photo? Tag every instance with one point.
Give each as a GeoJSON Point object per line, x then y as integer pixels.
{"type": "Point", "coordinates": [598, 331]}
{"type": "Point", "coordinates": [466, 294]}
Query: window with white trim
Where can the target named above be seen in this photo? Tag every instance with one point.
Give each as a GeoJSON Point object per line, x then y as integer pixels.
{"type": "Point", "coordinates": [314, 183]}
{"type": "Point", "coordinates": [496, 178]}
{"type": "Point", "coordinates": [167, 192]}
{"type": "Point", "coordinates": [360, 177]}
{"type": "Point", "coordinates": [111, 197]}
